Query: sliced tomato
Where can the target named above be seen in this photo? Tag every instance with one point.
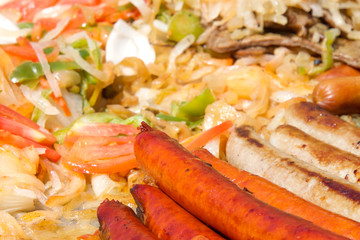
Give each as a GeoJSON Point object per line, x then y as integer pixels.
{"type": "Point", "coordinates": [47, 23]}
{"type": "Point", "coordinates": [340, 71]}
{"type": "Point", "coordinates": [90, 140]}
{"type": "Point", "coordinates": [111, 14]}
{"type": "Point", "coordinates": [29, 8]}
{"type": "Point", "coordinates": [76, 22]}
{"type": "Point", "coordinates": [20, 142]}
{"type": "Point", "coordinates": [24, 52]}
{"type": "Point", "coordinates": [82, 2]}
{"type": "Point", "coordinates": [121, 165]}
{"type": "Point", "coordinates": [102, 129]}
{"type": "Point", "coordinates": [92, 148]}
{"type": "Point", "coordinates": [21, 129]}
{"type": "Point", "coordinates": [9, 113]}
{"type": "Point", "coordinates": [205, 137]}
{"type": "Point", "coordinates": [17, 124]}
{"type": "Point", "coordinates": [89, 153]}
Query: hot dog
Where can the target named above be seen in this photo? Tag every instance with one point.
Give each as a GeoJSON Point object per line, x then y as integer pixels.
{"type": "Point", "coordinates": [165, 218]}
{"type": "Point", "coordinates": [281, 198]}
{"type": "Point", "coordinates": [247, 150]}
{"type": "Point", "coordinates": [119, 222]}
{"type": "Point", "coordinates": [326, 157]}
{"type": "Point", "coordinates": [338, 95]}
{"type": "Point", "coordinates": [213, 198]}
{"type": "Point", "coordinates": [324, 126]}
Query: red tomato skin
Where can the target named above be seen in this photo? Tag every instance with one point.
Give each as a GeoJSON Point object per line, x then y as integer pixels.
{"type": "Point", "coordinates": [29, 8]}
{"type": "Point", "coordinates": [20, 142]}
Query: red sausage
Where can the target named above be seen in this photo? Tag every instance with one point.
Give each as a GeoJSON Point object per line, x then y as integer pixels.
{"type": "Point", "coordinates": [119, 222]}
{"type": "Point", "coordinates": [338, 95]}
{"type": "Point", "coordinates": [281, 198]}
{"type": "Point", "coordinates": [165, 218]}
{"type": "Point", "coordinates": [213, 198]}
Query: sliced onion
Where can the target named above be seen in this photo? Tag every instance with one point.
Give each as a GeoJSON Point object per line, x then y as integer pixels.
{"type": "Point", "coordinates": [124, 41]}
{"type": "Point", "coordinates": [178, 5]}
{"type": "Point", "coordinates": [82, 35]}
{"type": "Point", "coordinates": [160, 25]}
{"type": "Point", "coordinates": [144, 9]}
{"type": "Point", "coordinates": [9, 227]}
{"type": "Point", "coordinates": [7, 94]}
{"type": "Point", "coordinates": [211, 11]}
{"type": "Point", "coordinates": [35, 97]}
{"type": "Point", "coordinates": [213, 146]}
{"type": "Point", "coordinates": [277, 120]}
{"type": "Point", "coordinates": [9, 32]}
{"type": "Point", "coordinates": [56, 184]}
{"type": "Point", "coordinates": [21, 180]}
{"type": "Point", "coordinates": [25, 160]}
{"type": "Point", "coordinates": [282, 96]}
{"type": "Point", "coordinates": [72, 184]}
{"type": "Point", "coordinates": [46, 68]}
{"type": "Point", "coordinates": [74, 102]}
{"type": "Point", "coordinates": [179, 48]}
{"type": "Point", "coordinates": [13, 202]}
{"type": "Point", "coordinates": [56, 31]}
{"type": "Point", "coordinates": [75, 55]}
{"type": "Point", "coordinates": [102, 184]}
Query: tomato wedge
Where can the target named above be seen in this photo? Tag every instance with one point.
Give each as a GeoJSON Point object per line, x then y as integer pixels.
{"type": "Point", "coordinates": [99, 152]}
{"type": "Point", "coordinates": [29, 8]}
{"type": "Point", "coordinates": [19, 125]}
{"type": "Point", "coordinates": [23, 52]}
{"type": "Point", "coordinates": [20, 142]}
{"type": "Point", "coordinates": [121, 165]}
{"type": "Point", "coordinates": [94, 148]}
{"type": "Point", "coordinates": [9, 113]}
{"type": "Point", "coordinates": [24, 131]}
{"type": "Point", "coordinates": [82, 2]}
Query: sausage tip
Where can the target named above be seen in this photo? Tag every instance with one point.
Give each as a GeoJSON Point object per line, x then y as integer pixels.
{"type": "Point", "coordinates": [144, 127]}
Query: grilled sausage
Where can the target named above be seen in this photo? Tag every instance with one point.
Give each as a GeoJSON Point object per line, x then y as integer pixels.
{"type": "Point", "coordinates": [213, 198]}
{"type": "Point", "coordinates": [338, 95]}
{"type": "Point", "coordinates": [281, 198]}
{"type": "Point", "coordinates": [247, 150]}
{"type": "Point", "coordinates": [295, 142]}
{"type": "Point", "coordinates": [166, 219]}
{"type": "Point", "coordinates": [119, 222]}
{"type": "Point", "coordinates": [324, 126]}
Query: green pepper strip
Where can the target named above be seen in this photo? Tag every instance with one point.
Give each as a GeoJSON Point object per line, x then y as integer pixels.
{"type": "Point", "coordinates": [196, 107]}
{"type": "Point", "coordinates": [191, 112]}
{"type": "Point", "coordinates": [29, 71]}
{"type": "Point", "coordinates": [83, 89]}
{"type": "Point", "coordinates": [182, 24]}
{"type": "Point", "coordinates": [326, 56]}
{"type": "Point", "coordinates": [82, 45]}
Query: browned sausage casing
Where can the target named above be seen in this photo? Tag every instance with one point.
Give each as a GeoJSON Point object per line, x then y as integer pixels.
{"type": "Point", "coordinates": [119, 222]}
{"type": "Point", "coordinates": [324, 126]}
{"type": "Point", "coordinates": [338, 95]}
{"type": "Point", "coordinates": [165, 218]}
{"type": "Point", "coordinates": [247, 150]}
{"type": "Point", "coordinates": [297, 143]}
{"type": "Point", "coordinates": [214, 199]}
